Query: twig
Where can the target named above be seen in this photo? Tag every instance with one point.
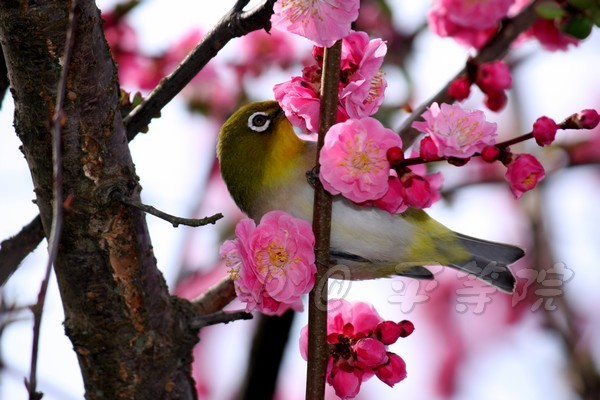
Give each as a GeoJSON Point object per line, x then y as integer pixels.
{"type": "Point", "coordinates": [176, 221]}
{"type": "Point", "coordinates": [57, 206]}
{"type": "Point", "coordinates": [494, 49]}
{"type": "Point", "coordinates": [318, 352]}
{"type": "Point", "coordinates": [219, 317]}
{"type": "Point", "coordinates": [215, 298]}
{"type": "Point", "coordinates": [234, 24]}
{"type": "Point", "coordinates": [14, 249]}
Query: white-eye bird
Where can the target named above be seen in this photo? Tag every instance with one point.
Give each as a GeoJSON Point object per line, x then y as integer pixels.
{"type": "Point", "coordinates": [264, 165]}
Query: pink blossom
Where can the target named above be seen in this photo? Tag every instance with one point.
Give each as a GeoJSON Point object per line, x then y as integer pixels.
{"type": "Point", "coordinates": [323, 22]}
{"type": "Point", "coordinates": [364, 85]}
{"type": "Point", "coordinates": [544, 131]}
{"type": "Point", "coordinates": [272, 264]}
{"type": "Point", "coordinates": [353, 159]}
{"type": "Point", "coordinates": [523, 173]}
{"type": "Point", "coordinates": [356, 349]}
{"type": "Point", "coordinates": [456, 132]}
{"type": "Point", "coordinates": [469, 22]}
{"type": "Point", "coordinates": [476, 14]}
{"type": "Point", "coordinates": [360, 92]}
{"type": "Point", "coordinates": [493, 77]}
{"type": "Point", "coordinates": [259, 51]}
{"type": "Point", "coordinates": [392, 372]}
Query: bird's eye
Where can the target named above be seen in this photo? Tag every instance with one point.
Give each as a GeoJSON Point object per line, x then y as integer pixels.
{"type": "Point", "coordinates": [259, 121]}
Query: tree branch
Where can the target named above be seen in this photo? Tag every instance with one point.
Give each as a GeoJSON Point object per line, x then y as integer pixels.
{"type": "Point", "coordinates": [57, 206]}
{"type": "Point", "coordinates": [215, 298]}
{"type": "Point", "coordinates": [318, 351]}
{"type": "Point", "coordinates": [234, 24]}
{"type": "Point", "coordinates": [176, 221]}
{"type": "Point", "coordinates": [14, 249]}
{"type": "Point", "coordinates": [494, 49]}
{"type": "Point", "coordinates": [220, 317]}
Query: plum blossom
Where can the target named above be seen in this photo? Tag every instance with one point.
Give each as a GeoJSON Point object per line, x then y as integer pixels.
{"type": "Point", "coordinates": [456, 132]}
{"type": "Point", "coordinates": [273, 264]}
{"type": "Point", "coordinates": [358, 338]}
{"type": "Point", "coordinates": [469, 22]}
{"type": "Point", "coordinates": [523, 173]}
{"type": "Point", "coordinates": [323, 22]}
{"type": "Point", "coordinates": [360, 92]}
{"type": "Point", "coordinates": [353, 159]}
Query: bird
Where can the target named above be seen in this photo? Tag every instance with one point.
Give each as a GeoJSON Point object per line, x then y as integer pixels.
{"type": "Point", "coordinates": [264, 165]}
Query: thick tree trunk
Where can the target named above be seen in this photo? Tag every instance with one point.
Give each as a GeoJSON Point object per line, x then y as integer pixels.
{"type": "Point", "coordinates": [130, 336]}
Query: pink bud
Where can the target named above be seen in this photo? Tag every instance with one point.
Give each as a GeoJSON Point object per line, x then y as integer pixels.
{"type": "Point", "coordinates": [428, 150]}
{"type": "Point", "coordinates": [395, 156]}
{"type": "Point", "coordinates": [417, 192]}
{"type": "Point", "coordinates": [406, 327]}
{"type": "Point", "coordinates": [370, 352]}
{"type": "Point", "coordinates": [495, 100]}
{"type": "Point", "coordinates": [388, 332]}
{"type": "Point", "coordinates": [523, 173]}
{"type": "Point", "coordinates": [460, 88]}
{"type": "Point", "coordinates": [490, 153]}
{"type": "Point", "coordinates": [493, 77]}
{"type": "Point", "coordinates": [544, 130]}
{"type": "Point", "coordinates": [345, 383]}
{"type": "Point", "coordinates": [587, 119]}
{"type": "Point", "coordinates": [393, 372]}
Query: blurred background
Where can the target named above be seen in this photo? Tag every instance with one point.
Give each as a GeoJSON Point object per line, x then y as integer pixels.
{"type": "Point", "coordinates": [471, 341]}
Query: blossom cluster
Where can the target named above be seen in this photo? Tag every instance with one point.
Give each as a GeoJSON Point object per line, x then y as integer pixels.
{"type": "Point", "coordinates": [357, 161]}
{"type": "Point", "coordinates": [361, 85]}
{"type": "Point", "coordinates": [272, 265]}
{"type": "Point", "coordinates": [473, 23]}
{"type": "Point", "coordinates": [358, 340]}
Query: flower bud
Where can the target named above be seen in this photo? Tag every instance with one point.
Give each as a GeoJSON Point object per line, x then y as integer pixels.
{"type": "Point", "coordinates": [392, 372]}
{"type": "Point", "coordinates": [544, 130]}
{"type": "Point", "coordinates": [587, 119]}
{"type": "Point", "coordinates": [490, 153]}
{"type": "Point", "coordinates": [495, 100]}
{"type": "Point", "coordinates": [370, 352]}
{"type": "Point", "coordinates": [395, 156]}
{"type": "Point", "coordinates": [428, 150]}
{"type": "Point", "coordinates": [460, 88]}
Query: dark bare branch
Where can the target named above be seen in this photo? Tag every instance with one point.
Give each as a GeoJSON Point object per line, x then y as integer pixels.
{"type": "Point", "coordinates": [234, 24]}
{"type": "Point", "coordinates": [176, 221]}
{"type": "Point", "coordinates": [14, 249]}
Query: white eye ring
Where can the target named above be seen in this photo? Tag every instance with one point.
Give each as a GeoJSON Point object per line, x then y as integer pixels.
{"type": "Point", "coordinates": [259, 124]}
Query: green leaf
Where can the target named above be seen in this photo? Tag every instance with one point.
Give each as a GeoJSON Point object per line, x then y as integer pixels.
{"type": "Point", "coordinates": [578, 26]}
{"type": "Point", "coordinates": [550, 10]}
{"type": "Point", "coordinates": [581, 4]}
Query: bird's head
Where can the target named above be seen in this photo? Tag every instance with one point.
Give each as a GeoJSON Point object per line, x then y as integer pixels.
{"type": "Point", "coordinates": [257, 147]}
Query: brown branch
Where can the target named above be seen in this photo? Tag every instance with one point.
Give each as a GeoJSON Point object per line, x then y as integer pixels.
{"type": "Point", "coordinates": [219, 317]}
{"type": "Point", "coordinates": [494, 49]}
{"type": "Point", "coordinates": [234, 24]}
{"type": "Point", "coordinates": [318, 352]}
{"type": "Point", "coordinates": [14, 249]}
{"type": "Point", "coordinates": [215, 298]}
{"type": "Point", "coordinates": [57, 206]}
{"type": "Point", "coordinates": [174, 220]}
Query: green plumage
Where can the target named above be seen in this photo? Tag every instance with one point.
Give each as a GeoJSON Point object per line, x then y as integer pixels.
{"type": "Point", "coordinates": [264, 165]}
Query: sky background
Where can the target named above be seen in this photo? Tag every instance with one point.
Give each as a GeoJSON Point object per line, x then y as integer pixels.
{"type": "Point", "coordinates": [526, 364]}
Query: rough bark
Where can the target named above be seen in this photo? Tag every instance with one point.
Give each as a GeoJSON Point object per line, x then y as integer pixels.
{"type": "Point", "coordinates": [130, 336]}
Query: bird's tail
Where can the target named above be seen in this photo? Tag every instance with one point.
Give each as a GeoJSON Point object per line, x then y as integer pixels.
{"type": "Point", "coordinates": [489, 261]}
